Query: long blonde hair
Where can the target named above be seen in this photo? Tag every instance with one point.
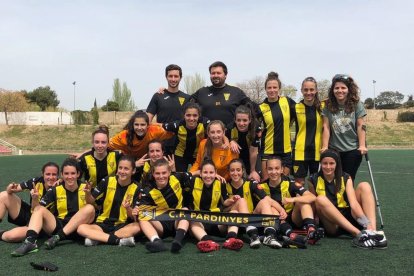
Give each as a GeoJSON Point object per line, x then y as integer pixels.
{"type": "Point", "coordinates": [208, 150]}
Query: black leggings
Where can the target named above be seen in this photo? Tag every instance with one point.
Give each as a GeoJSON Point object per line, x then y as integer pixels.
{"type": "Point", "coordinates": [351, 160]}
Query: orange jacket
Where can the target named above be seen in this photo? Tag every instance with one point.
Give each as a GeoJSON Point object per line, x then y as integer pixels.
{"type": "Point", "coordinates": [140, 146]}
{"type": "Point", "coordinates": [220, 157]}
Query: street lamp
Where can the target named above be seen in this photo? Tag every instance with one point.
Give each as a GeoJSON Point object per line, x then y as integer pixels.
{"type": "Point", "coordinates": [373, 84]}
{"type": "Point", "coordinates": [74, 93]}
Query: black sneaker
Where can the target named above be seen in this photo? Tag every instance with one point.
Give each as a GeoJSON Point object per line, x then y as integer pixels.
{"type": "Point", "coordinates": [155, 246]}
{"type": "Point", "coordinates": [379, 238]}
{"type": "Point", "coordinates": [315, 235]}
{"type": "Point", "coordinates": [363, 240]}
{"type": "Point", "coordinates": [52, 242]}
{"type": "Point", "coordinates": [176, 246]}
{"type": "Point", "coordinates": [26, 248]}
{"type": "Point", "coordinates": [254, 242]}
{"type": "Point", "coordinates": [295, 241]}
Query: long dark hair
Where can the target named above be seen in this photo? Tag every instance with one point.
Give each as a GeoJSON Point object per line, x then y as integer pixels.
{"type": "Point", "coordinates": [248, 110]}
{"type": "Point", "coordinates": [129, 127]}
{"type": "Point", "coordinates": [352, 98]}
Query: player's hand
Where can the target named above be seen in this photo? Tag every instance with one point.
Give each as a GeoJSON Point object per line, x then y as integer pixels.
{"type": "Point", "coordinates": [34, 193]}
{"type": "Point", "coordinates": [171, 161]}
{"type": "Point", "coordinates": [254, 176]}
{"type": "Point", "coordinates": [323, 149]}
{"type": "Point", "coordinates": [127, 202]}
{"type": "Point", "coordinates": [234, 147]}
{"type": "Point", "coordinates": [236, 198]}
{"type": "Point", "coordinates": [135, 213]}
{"type": "Point", "coordinates": [141, 162]}
{"type": "Point", "coordinates": [287, 200]}
{"type": "Point", "coordinates": [12, 188]}
{"type": "Point", "coordinates": [282, 214]}
{"type": "Point", "coordinates": [363, 150]}
{"type": "Point", "coordinates": [75, 155]}
{"type": "Point", "coordinates": [220, 178]}
{"type": "Point", "coordinates": [88, 187]}
{"type": "Point", "coordinates": [160, 90]}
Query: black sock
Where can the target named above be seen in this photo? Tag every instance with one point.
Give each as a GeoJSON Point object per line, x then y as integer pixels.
{"type": "Point", "coordinates": [113, 240]}
{"type": "Point", "coordinates": [1, 235]}
{"type": "Point", "coordinates": [1, 220]}
{"type": "Point", "coordinates": [270, 231]}
{"type": "Point", "coordinates": [252, 231]}
{"type": "Point", "coordinates": [31, 236]}
{"type": "Point", "coordinates": [231, 234]}
{"type": "Point", "coordinates": [285, 229]}
{"type": "Point", "coordinates": [180, 234]}
{"type": "Point", "coordinates": [206, 238]}
{"type": "Point", "coordinates": [61, 234]}
{"type": "Point", "coordinates": [308, 222]}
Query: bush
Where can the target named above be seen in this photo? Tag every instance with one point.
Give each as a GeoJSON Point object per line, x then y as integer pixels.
{"type": "Point", "coordinates": [407, 116]}
{"type": "Point", "coordinates": [81, 117]}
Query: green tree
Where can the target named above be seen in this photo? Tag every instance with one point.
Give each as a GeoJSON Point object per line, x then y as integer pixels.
{"type": "Point", "coordinates": [44, 97]}
{"type": "Point", "coordinates": [110, 106]}
{"type": "Point", "coordinates": [122, 96]}
{"type": "Point", "coordinates": [288, 91]}
{"type": "Point", "coordinates": [193, 83]}
{"type": "Point", "coordinates": [409, 102]}
{"type": "Point", "coordinates": [95, 113]}
{"type": "Point", "coordinates": [12, 102]}
{"type": "Point", "coordinates": [369, 103]}
{"type": "Point", "coordinates": [389, 99]}
{"type": "Point", "coordinates": [323, 89]}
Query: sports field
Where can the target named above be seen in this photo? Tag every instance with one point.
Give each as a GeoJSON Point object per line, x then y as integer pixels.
{"type": "Point", "coordinates": [393, 173]}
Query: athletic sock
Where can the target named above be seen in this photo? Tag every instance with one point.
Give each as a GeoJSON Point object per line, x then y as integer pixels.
{"type": "Point", "coordinates": [231, 234]}
{"type": "Point", "coordinates": [155, 237]}
{"type": "Point", "coordinates": [285, 229]}
{"type": "Point", "coordinates": [252, 231]}
{"type": "Point", "coordinates": [180, 234]}
{"type": "Point", "coordinates": [113, 239]}
{"type": "Point", "coordinates": [1, 234]}
{"type": "Point", "coordinates": [269, 231]}
{"type": "Point", "coordinates": [61, 234]}
{"type": "Point", "coordinates": [309, 222]}
{"type": "Point", "coordinates": [205, 238]}
{"type": "Point", "coordinates": [31, 236]}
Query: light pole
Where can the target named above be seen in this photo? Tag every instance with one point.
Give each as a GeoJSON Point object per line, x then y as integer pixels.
{"type": "Point", "coordinates": [74, 97]}
{"type": "Point", "coordinates": [373, 84]}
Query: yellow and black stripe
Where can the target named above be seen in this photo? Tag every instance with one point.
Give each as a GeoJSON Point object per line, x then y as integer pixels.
{"type": "Point", "coordinates": [206, 198]}
{"type": "Point", "coordinates": [325, 188]}
{"type": "Point", "coordinates": [95, 170]}
{"type": "Point", "coordinates": [169, 197]}
{"type": "Point", "coordinates": [250, 191]}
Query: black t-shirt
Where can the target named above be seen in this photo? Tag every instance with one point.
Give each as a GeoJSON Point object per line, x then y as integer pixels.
{"type": "Point", "coordinates": [168, 106]}
{"type": "Point", "coordinates": [220, 103]}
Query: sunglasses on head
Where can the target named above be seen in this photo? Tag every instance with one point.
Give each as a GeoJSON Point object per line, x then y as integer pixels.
{"type": "Point", "coordinates": [341, 77]}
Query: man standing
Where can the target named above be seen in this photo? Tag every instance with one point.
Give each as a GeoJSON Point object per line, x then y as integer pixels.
{"type": "Point", "coordinates": [219, 101]}
{"type": "Point", "coordinates": [168, 106]}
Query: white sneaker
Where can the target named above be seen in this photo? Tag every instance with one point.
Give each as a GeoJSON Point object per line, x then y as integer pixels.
{"type": "Point", "coordinates": [255, 242]}
{"type": "Point", "coordinates": [89, 242]}
{"type": "Point", "coordinates": [127, 242]}
{"type": "Point", "coordinates": [271, 242]}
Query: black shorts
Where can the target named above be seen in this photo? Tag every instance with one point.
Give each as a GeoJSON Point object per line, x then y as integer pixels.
{"type": "Point", "coordinates": [290, 221]}
{"type": "Point", "coordinates": [212, 229]}
{"type": "Point", "coordinates": [301, 168]}
{"type": "Point", "coordinates": [60, 223]}
{"type": "Point", "coordinates": [286, 158]}
{"type": "Point", "coordinates": [110, 228]}
{"type": "Point", "coordinates": [168, 228]}
{"type": "Point", "coordinates": [23, 217]}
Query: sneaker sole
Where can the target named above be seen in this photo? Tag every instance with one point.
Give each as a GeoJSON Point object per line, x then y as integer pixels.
{"type": "Point", "coordinates": [175, 247]}
{"type": "Point", "coordinates": [205, 248]}
{"type": "Point", "coordinates": [15, 254]}
{"type": "Point", "coordinates": [236, 245]}
{"type": "Point", "coordinates": [154, 249]}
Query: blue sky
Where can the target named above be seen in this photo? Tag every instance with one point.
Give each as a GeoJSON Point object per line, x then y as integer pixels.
{"type": "Point", "coordinates": [93, 42]}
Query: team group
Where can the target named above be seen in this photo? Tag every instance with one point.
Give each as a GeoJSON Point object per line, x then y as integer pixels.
{"type": "Point", "coordinates": [202, 154]}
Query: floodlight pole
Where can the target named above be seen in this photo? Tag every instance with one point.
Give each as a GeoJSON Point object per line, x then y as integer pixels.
{"type": "Point", "coordinates": [74, 95]}
{"type": "Point", "coordinates": [373, 84]}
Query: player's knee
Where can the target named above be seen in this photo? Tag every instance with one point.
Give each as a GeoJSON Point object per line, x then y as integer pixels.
{"type": "Point", "coordinates": [322, 201]}
{"type": "Point", "coordinates": [364, 187]}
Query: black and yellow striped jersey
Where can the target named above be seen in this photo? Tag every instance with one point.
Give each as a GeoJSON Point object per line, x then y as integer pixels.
{"type": "Point", "coordinates": [276, 118]}
{"type": "Point", "coordinates": [308, 133]}
{"type": "Point", "coordinates": [38, 182]}
{"type": "Point", "coordinates": [285, 189]}
{"type": "Point", "coordinates": [171, 196]}
{"type": "Point", "coordinates": [205, 198]}
{"type": "Point", "coordinates": [64, 202]}
{"type": "Point", "coordinates": [251, 191]}
{"type": "Point", "coordinates": [113, 195]}
{"type": "Point", "coordinates": [187, 139]}
{"type": "Point", "coordinates": [95, 170]}
{"type": "Point", "coordinates": [326, 188]}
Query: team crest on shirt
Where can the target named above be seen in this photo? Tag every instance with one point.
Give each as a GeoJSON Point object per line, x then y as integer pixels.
{"type": "Point", "coordinates": [181, 99]}
{"type": "Point", "coordinates": [222, 158]}
{"type": "Point", "coordinates": [295, 168]}
{"type": "Point", "coordinates": [226, 96]}
{"type": "Point", "coordinates": [218, 103]}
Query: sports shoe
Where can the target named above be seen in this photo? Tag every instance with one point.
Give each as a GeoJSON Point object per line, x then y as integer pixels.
{"type": "Point", "coordinates": [208, 246]}
{"type": "Point", "coordinates": [26, 248]}
{"type": "Point", "coordinates": [271, 241]}
{"type": "Point", "coordinates": [363, 240]}
{"type": "Point", "coordinates": [254, 242]}
{"type": "Point", "coordinates": [155, 246]}
{"type": "Point", "coordinates": [315, 235]}
{"type": "Point", "coordinates": [176, 246]}
{"type": "Point", "coordinates": [295, 241]}
{"type": "Point", "coordinates": [379, 238]}
{"type": "Point", "coordinates": [233, 244]}
{"type": "Point", "coordinates": [127, 242]}
{"type": "Point", "coordinates": [89, 242]}
{"type": "Point", "coordinates": [52, 242]}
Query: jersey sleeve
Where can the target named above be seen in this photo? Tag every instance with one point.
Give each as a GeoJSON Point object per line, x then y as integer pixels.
{"type": "Point", "coordinates": [146, 198]}
{"type": "Point", "coordinates": [295, 190]}
{"type": "Point", "coordinates": [199, 158]}
{"type": "Point", "coordinates": [49, 199]}
{"type": "Point", "coordinates": [172, 126]}
{"type": "Point", "coordinates": [257, 190]}
{"type": "Point", "coordinates": [153, 104]}
{"type": "Point", "coordinates": [292, 108]}
{"type": "Point", "coordinates": [29, 184]}
{"type": "Point", "coordinates": [99, 191]}
{"type": "Point", "coordinates": [184, 178]}
{"type": "Point", "coordinates": [119, 142]}
{"type": "Point", "coordinates": [224, 193]}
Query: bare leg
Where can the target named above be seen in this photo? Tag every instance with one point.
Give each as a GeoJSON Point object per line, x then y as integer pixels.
{"type": "Point", "coordinates": [42, 218]}
{"type": "Point", "coordinates": [85, 215]}
{"type": "Point", "coordinates": [93, 232]}
{"type": "Point", "coordinates": [128, 230]}
{"type": "Point", "coordinates": [366, 199]}
{"type": "Point", "coordinates": [16, 234]}
{"type": "Point", "coordinates": [10, 203]}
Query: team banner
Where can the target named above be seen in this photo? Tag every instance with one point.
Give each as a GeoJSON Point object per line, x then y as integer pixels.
{"type": "Point", "coordinates": [147, 213]}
